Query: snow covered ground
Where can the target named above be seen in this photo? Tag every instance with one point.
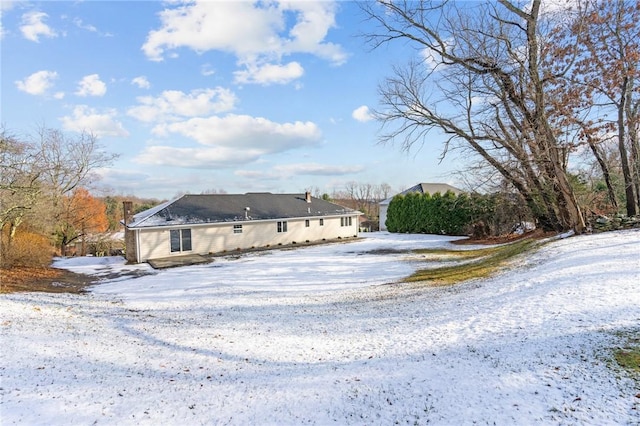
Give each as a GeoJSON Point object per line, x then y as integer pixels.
{"type": "Point", "coordinates": [321, 335]}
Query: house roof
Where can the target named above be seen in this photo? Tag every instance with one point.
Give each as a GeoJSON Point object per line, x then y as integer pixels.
{"type": "Point", "coordinates": [425, 188]}
{"type": "Point", "coordinates": [215, 208]}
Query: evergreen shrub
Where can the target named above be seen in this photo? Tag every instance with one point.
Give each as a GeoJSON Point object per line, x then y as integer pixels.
{"type": "Point", "coordinates": [447, 214]}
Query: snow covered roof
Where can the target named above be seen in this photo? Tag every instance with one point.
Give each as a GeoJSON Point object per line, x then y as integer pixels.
{"type": "Point", "coordinates": [215, 208]}
{"type": "Point", "coordinates": [425, 188]}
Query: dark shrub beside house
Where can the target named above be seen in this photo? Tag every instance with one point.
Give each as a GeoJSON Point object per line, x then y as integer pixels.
{"type": "Point", "coordinates": [447, 214]}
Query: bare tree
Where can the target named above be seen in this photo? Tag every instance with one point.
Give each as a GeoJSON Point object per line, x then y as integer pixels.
{"type": "Point", "coordinates": [69, 162]}
{"type": "Point", "coordinates": [382, 192]}
{"type": "Point", "coordinates": [19, 184]}
{"type": "Point", "coordinates": [601, 93]}
{"type": "Point", "coordinates": [478, 78]}
{"type": "Point", "coordinates": [363, 196]}
{"type": "Point", "coordinates": [38, 175]}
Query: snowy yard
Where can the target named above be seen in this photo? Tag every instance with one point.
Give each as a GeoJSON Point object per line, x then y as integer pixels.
{"type": "Point", "coordinates": [321, 335]}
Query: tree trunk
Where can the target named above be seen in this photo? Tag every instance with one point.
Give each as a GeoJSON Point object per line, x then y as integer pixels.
{"type": "Point", "coordinates": [606, 174]}
{"type": "Point", "coordinates": [569, 214]}
{"type": "Point", "coordinates": [624, 159]}
{"type": "Point", "coordinates": [633, 127]}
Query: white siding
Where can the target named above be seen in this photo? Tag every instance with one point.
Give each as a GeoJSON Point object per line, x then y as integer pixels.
{"type": "Point", "coordinates": [218, 238]}
{"type": "Point", "coordinates": [383, 216]}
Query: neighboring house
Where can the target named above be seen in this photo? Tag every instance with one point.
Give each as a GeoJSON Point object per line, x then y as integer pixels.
{"type": "Point", "coordinates": [215, 223]}
{"type": "Point", "coordinates": [102, 244]}
{"type": "Point", "coordinates": [422, 188]}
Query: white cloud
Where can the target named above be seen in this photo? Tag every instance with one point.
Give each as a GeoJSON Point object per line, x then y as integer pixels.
{"type": "Point", "coordinates": [236, 27]}
{"type": "Point", "coordinates": [173, 104]}
{"type": "Point", "coordinates": [256, 33]}
{"type": "Point", "coordinates": [433, 61]}
{"type": "Point", "coordinates": [220, 157]}
{"type": "Point", "coordinates": [430, 60]}
{"type": "Point", "coordinates": [88, 119]}
{"type": "Point", "coordinates": [37, 83]}
{"type": "Point", "coordinates": [245, 132]}
{"type": "Point", "coordinates": [556, 6]}
{"type": "Point", "coordinates": [362, 114]}
{"type": "Point", "coordinates": [117, 177]}
{"type": "Point", "coordinates": [286, 171]}
{"type": "Point", "coordinates": [270, 74]}
{"type": "Point", "coordinates": [91, 28]}
{"type": "Point", "coordinates": [127, 181]}
{"type": "Point", "coordinates": [228, 141]}
{"type": "Point", "coordinates": [91, 85]}
{"type": "Point", "coordinates": [33, 26]}
{"type": "Point", "coordinates": [316, 169]}
{"type": "Point", "coordinates": [4, 6]}
{"type": "Point", "coordinates": [141, 82]}
{"type": "Point", "coordinates": [80, 24]}
{"type": "Point", "coordinates": [314, 19]}
{"type": "Point", "coordinates": [207, 70]}
{"type": "Point", "coordinates": [7, 5]}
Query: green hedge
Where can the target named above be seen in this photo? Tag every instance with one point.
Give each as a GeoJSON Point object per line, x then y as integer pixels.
{"type": "Point", "coordinates": [446, 214]}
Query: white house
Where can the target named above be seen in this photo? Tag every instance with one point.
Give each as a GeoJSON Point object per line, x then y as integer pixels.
{"type": "Point", "coordinates": [422, 188]}
{"type": "Point", "coordinates": [215, 223]}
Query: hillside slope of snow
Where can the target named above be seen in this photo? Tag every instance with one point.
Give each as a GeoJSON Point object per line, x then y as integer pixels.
{"type": "Point", "coordinates": [322, 335]}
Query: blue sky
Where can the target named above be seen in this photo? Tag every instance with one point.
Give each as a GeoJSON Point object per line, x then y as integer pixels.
{"type": "Point", "coordinates": [234, 96]}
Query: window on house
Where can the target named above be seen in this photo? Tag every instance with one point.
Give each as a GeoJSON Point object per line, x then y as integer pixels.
{"type": "Point", "coordinates": [342, 221]}
{"type": "Point", "coordinates": [180, 240]}
{"type": "Point", "coordinates": [306, 223]}
{"type": "Point", "coordinates": [175, 240]}
{"type": "Point", "coordinates": [237, 229]}
{"type": "Point", "coordinates": [349, 220]}
{"type": "Point", "coordinates": [186, 239]}
{"type": "Point", "coordinates": [282, 226]}
{"type": "Point", "coordinates": [321, 222]}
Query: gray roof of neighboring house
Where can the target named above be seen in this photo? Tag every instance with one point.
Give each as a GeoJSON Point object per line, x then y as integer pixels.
{"type": "Point", "coordinates": [215, 208]}
{"type": "Point", "coordinates": [425, 188]}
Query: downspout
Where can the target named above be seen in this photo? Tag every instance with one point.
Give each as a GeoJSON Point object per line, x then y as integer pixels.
{"type": "Point", "coordinates": [137, 231]}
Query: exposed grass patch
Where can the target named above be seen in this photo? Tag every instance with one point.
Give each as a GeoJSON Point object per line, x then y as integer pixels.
{"type": "Point", "coordinates": [628, 357]}
{"type": "Point", "coordinates": [483, 262]}
{"type": "Point", "coordinates": [455, 255]}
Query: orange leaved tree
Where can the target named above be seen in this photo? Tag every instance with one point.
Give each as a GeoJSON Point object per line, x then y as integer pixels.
{"type": "Point", "coordinates": [81, 215]}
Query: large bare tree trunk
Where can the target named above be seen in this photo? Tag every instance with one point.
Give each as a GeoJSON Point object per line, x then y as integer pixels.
{"type": "Point", "coordinates": [624, 158]}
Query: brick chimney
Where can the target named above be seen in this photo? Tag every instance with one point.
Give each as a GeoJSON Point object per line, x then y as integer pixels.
{"type": "Point", "coordinates": [307, 196]}
{"type": "Point", "coordinates": [129, 235]}
{"type": "Point", "coordinates": [128, 211]}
